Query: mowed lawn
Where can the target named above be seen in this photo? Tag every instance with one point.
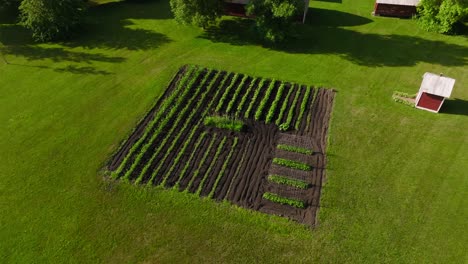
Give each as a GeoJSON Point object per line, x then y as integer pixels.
{"type": "Point", "coordinates": [397, 178]}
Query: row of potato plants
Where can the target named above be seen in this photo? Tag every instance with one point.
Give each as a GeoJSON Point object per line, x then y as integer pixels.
{"type": "Point", "coordinates": [254, 98]}
{"type": "Point", "coordinates": [303, 109]}
{"type": "Point", "coordinates": [159, 126]}
{"type": "Point", "coordinates": [272, 110]}
{"type": "Point", "coordinates": [309, 116]}
{"type": "Point", "coordinates": [212, 165]}
{"type": "Point", "coordinates": [202, 162]}
{"type": "Point", "coordinates": [195, 128]}
{"type": "Point", "coordinates": [179, 117]}
{"type": "Point", "coordinates": [240, 106]}
{"type": "Point", "coordinates": [226, 93]}
{"type": "Point", "coordinates": [190, 159]}
{"type": "Point", "coordinates": [187, 120]}
{"type": "Point", "coordinates": [222, 172]}
{"type": "Point", "coordinates": [236, 94]}
{"type": "Point", "coordinates": [284, 106]}
{"type": "Point", "coordinates": [286, 125]}
{"type": "Point", "coordinates": [167, 104]}
{"type": "Point", "coordinates": [263, 103]}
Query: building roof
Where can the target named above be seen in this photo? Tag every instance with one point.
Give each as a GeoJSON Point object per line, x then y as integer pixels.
{"type": "Point", "coordinates": [437, 84]}
{"type": "Point", "coordinates": [399, 2]}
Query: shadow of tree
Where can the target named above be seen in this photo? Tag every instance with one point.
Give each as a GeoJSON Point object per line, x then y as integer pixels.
{"type": "Point", "coordinates": [107, 26]}
{"type": "Point", "coordinates": [361, 48]}
{"type": "Point", "coordinates": [455, 107]}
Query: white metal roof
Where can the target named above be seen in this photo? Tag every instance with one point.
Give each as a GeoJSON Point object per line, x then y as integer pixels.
{"type": "Point", "coordinates": [399, 2]}
{"type": "Point", "coordinates": [437, 84]}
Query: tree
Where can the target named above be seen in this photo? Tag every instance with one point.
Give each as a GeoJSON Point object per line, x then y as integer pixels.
{"type": "Point", "coordinates": [51, 19]}
{"type": "Point", "coordinates": [442, 15]}
{"type": "Point", "coordinates": [200, 13]}
{"type": "Point", "coordinates": [274, 18]}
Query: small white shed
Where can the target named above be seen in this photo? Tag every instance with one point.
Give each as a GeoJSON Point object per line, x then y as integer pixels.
{"type": "Point", "coordinates": [433, 91]}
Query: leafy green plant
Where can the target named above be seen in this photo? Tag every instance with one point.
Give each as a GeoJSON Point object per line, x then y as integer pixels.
{"type": "Point", "coordinates": [261, 107]}
{"type": "Point", "coordinates": [236, 94]}
{"type": "Point", "coordinates": [442, 15]}
{"type": "Point", "coordinates": [303, 107]}
{"type": "Point", "coordinates": [283, 200]}
{"type": "Point", "coordinates": [292, 109]}
{"type": "Point", "coordinates": [200, 13]}
{"type": "Point", "coordinates": [223, 168]}
{"type": "Point", "coordinates": [288, 181]}
{"type": "Point", "coordinates": [224, 122]}
{"type": "Point", "coordinates": [254, 98]}
{"type": "Point", "coordinates": [295, 149]}
{"type": "Point", "coordinates": [292, 164]}
{"type": "Point", "coordinates": [283, 126]}
{"type": "Point", "coordinates": [284, 106]}
{"type": "Point", "coordinates": [272, 110]}
{"type": "Point", "coordinates": [226, 93]}
{"type": "Point", "coordinates": [245, 97]}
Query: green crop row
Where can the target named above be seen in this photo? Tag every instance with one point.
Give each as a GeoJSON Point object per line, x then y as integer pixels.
{"type": "Point", "coordinates": [236, 94]}
{"type": "Point", "coordinates": [165, 106]}
{"type": "Point", "coordinates": [245, 97]}
{"type": "Point", "coordinates": [224, 122]}
{"type": "Point", "coordinates": [288, 181]}
{"type": "Point", "coordinates": [236, 173]}
{"type": "Point", "coordinates": [223, 169]}
{"type": "Point", "coordinates": [186, 124]}
{"type": "Point", "coordinates": [211, 166]}
{"type": "Point", "coordinates": [161, 126]}
{"type": "Point", "coordinates": [292, 109]}
{"type": "Point", "coordinates": [284, 106]}
{"type": "Point", "coordinates": [309, 116]}
{"type": "Point", "coordinates": [179, 117]}
{"type": "Point", "coordinates": [303, 107]}
{"type": "Point", "coordinates": [226, 92]}
{"type": "Point", "coordinates": [202, 161]}
{"type": "Point", "coordinates": [272, 111]}
{"type": "Point", "coordinates": [254, 98]}
{"type": "Point", "coordinates": [292, 164]}
{"type": "Point", "coordinates": [295, 149]}
{"type": "Point", "coordinates": [261, 107]}
{"type": "Point", "coordinates": [283, 200]}
{"type": "Point", "coordinates": [192, 155]}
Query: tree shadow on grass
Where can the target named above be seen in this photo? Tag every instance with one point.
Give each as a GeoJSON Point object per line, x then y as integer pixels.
{"type": "Point", "coordinates": [326, 37]}
{"type": "Point", "coordinates": [108, 27]}
{"type": "Point", "coordinates": [455, 107]}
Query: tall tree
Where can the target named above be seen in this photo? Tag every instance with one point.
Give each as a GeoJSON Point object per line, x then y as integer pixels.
{"type": "Point", "coordinates": [442, 15]}
{"type": "Point", "coordinates": [200, 13]}
{"type": "Point", "coordinates": [51, 19]}
{"type": "Point", "coordinates": [274, 18]}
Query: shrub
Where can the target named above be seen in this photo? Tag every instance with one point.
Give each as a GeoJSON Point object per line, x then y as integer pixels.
{"type": "Point", "coordinates": [283, 200]}
{"type": "Point", "coordinates": [287, 181]}
{"type": "Point", "coordinates": [224, 122]}
{"type": "Point", "coordinates": [292, 164]}
{"type": "Point", "coordinates": [442, 15]}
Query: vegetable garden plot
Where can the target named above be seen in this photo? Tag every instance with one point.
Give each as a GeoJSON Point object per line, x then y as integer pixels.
{"type": "Point", "coordinates": [173, 147]}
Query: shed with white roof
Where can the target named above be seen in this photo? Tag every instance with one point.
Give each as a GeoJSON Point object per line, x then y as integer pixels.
{"type": "Point", "coordinates": [395, 8]}
{"type": "Point", "coordinates": [433, 91]}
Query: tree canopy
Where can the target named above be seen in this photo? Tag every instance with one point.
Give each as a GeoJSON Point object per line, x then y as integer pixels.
{"type": "Point", "coordinates": [275, 17]}
{"type": "Point", "coordinates": [442, 15]}
{"type": "Point", "coordinates": [200, 13]}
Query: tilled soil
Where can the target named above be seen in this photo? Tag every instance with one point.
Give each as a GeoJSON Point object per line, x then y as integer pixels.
{"type": "Point", "coordinates": [233, 166]}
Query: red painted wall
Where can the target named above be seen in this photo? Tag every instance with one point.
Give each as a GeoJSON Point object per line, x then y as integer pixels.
{"type": "Point", "coordinates": [430, 101]}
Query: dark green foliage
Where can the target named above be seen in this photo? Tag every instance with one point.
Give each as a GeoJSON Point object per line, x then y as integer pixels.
{"type": "Point", "coordinates": [51, 19]}
{"type": "Point", "coordinates": [285, 105]}
{"type": "Point", "coordinates": [272, 111]}
{"type": "Point", "coordinates": [274, 18]}
{"type": "Point", "coordinates": [283, 200]}
{"type": "Point", "coordinates": [236, 94]}
{"type": "Point", "coordinates": [288, 181]}
{"type": "Point", "coordinates": [295, 149]}
{"type": "Point", "coordinates": [196, 12]}
{"type": "Point", "coordinates": [261, 107]}
{"type": "Point", "coordinates": [254, 98]}
{"type": "Point", "coordinates": [442, 15]}
{"type": "Point", "coordinates": [292, 164]}
{"type": "Point", "coordinates": [224, 122]}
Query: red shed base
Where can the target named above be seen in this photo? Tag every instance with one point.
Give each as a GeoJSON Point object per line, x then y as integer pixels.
{"type": "Point", "coordinates": [430, 102]}
{"type": "Point", "coordinates": [394, 10]}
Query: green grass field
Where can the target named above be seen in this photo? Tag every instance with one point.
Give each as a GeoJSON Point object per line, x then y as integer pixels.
{"type": "Point", "coordinates": [397, 182]}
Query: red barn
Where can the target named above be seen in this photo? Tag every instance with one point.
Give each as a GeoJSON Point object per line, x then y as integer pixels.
{"type": "Point", "coordinates": [434, 89]}
{"type": "Point", "coordinates": [395, 8]}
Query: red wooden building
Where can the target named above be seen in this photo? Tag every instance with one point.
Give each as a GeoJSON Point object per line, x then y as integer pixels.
{"type": "Point", "coordinates": [433, 91]}
{"type": "Point", "coordinates": [395, 8]}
